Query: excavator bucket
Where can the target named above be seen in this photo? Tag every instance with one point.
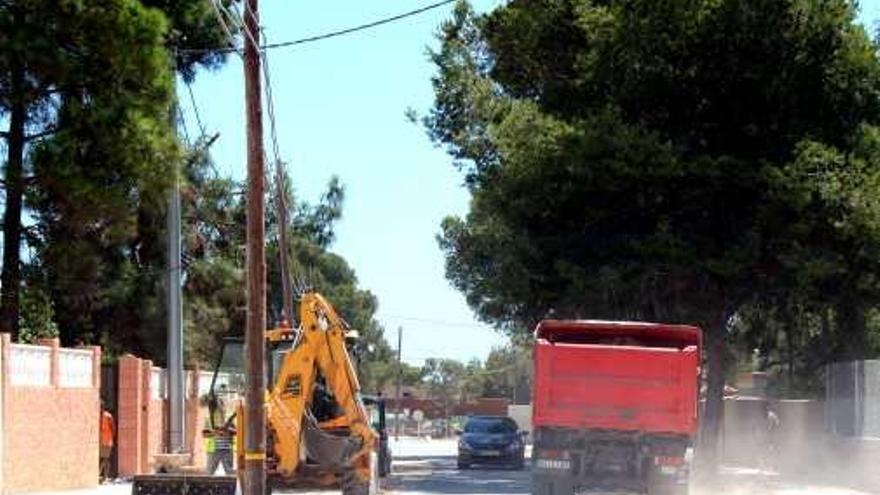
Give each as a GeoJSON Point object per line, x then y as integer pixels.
{"type": "Point", "coordinates": [183, 484]}
{"type": "Point", "coordinates": [325, 448]}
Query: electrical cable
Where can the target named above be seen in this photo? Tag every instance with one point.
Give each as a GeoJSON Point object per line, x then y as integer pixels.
{"type": "Point", "coordinates": [192, 100]}
{"type": "Point", "coordinates": [229, 37]}
{"type": "Point", "coordinates": [331, 34]}
{"type": "Point", "coordinates": [270, 109]}
{"type": "Point", "coordinates": [246, 30]}
{"type": "Point", "coordinates": [181, 123]}
{"type": "Point", "coordinates": [434, 322]}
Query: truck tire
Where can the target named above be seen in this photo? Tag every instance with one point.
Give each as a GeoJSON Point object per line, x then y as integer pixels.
{"type": "Point", "coordinates": [543, 487]}
{"type": "Point", "coordinates": [384, 465]}
{"type": "Point", "coordinates": [269, 486]}
{"type": "Point", "coordinates": [668, 489]}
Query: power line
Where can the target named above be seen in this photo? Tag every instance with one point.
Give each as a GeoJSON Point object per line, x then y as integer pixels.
{"type": "Point", "coordinates": [433, 321]}
{"type": "Point", "coordinates": [331, 34]}
{"type": "Point", "coordinates": [270, 109]}
{"type": "Point", "coordinates": [229, 37]}
{"type": "Point", "coordinates": [192, 99]}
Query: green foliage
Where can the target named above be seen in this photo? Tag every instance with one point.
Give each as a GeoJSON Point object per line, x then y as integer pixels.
{"type": "Point", "coordinates": [193, 35]}
{"type": "Point", "coordinates": [652, 167]}
{"type": "Point", "coordinates": [674, 161]}
{"type": "Point", "coordinates": [110, 150]}
{"type": "Point", "coordinates": [93, 81]}
{"type": "Point", "coordinates": [508, 373]}
{"type": "Point", "coordinates": [444, 380]}
{"type": "Point", "coordinates": [634, 160]}
{"type": "Point", "coordinates": [37, 316]}
{"type": "Point", "coordinates": [92, 85]}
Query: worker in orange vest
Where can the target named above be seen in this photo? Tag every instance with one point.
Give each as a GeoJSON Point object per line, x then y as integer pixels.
{"type": "Point", "coordinates": [107, 433]}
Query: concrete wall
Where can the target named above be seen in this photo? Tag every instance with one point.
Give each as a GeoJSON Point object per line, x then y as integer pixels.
{"type": "Point", "coordinates": [522, 414]}
{"type": "Point", "coordinates": [871, 421]}
{"type": "Point", "coordinates": [51, 408]}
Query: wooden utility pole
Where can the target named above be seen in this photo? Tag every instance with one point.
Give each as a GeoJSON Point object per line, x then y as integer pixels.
{"type": "Point", "coordinates": [255, 337]}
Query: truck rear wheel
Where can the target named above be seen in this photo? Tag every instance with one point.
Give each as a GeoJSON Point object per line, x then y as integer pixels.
{"type": "Point", "coordinates": [543, 487]}
{"type": "Point", "coordinates": [668, 489]}
{"type": "Point", "coordinates": [664, 485]}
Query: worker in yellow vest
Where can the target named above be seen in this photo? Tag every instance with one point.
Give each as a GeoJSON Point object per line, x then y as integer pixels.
{"type": "Point", "coordinates": [220, 441]}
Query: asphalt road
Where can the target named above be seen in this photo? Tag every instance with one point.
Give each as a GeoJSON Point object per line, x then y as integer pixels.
{"type": "Point", "coordinates": [428, 467]}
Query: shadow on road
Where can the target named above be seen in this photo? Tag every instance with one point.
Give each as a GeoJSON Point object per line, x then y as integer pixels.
{"type": "Point", "coordinates": [438, 474]}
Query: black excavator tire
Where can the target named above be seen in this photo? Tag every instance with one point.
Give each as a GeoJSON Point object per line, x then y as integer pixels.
{"type": "Point", "coordinates": [352, 485]}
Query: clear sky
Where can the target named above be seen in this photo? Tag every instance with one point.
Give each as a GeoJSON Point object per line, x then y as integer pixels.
{"type": "Point", "coordinates": [340, 107]}
{"type": "Point", "coordinates": [870, 14]}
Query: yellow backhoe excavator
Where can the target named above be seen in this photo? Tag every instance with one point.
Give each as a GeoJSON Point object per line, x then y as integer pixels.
{"type": "Point", "coordinates": [319, 430]}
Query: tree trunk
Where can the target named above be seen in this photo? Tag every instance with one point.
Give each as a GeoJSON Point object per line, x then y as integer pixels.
{"type": "Point", "coordinates": [713, 413]}
{"type": "Point", "coordinates": [11, 275]}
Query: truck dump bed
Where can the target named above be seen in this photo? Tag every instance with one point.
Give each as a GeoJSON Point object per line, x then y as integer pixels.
{"type": "Point", "coordinates": [621, 376]}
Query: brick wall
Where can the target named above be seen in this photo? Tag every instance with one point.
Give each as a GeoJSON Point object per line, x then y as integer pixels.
{"type": "Point", "coordinates": [130, 418]}
{"type": "Point", "coordinates": [143, 417]}
{"type": "Point", "coordinates": [50, 433]}
{"type": "Point", "coordinates": [156, 414]}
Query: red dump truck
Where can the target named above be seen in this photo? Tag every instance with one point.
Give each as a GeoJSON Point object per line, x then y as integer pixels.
{"type": "Point", "coordinates": [614, 407]}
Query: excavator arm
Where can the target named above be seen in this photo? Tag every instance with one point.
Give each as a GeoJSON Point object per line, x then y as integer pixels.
{"type": "Point", "coordinates": [317, 350]}
{"type": "Point", "coordinates": [320, 348]}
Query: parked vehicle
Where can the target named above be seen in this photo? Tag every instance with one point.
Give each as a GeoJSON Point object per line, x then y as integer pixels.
{"type": "Point", "coordinates": [615, 407]}
{"type": "Point", "coordinates": [492, 440]}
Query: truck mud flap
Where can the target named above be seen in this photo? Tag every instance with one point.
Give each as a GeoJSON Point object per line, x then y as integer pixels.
{"type": "Point", "coordinates": [183, 484]}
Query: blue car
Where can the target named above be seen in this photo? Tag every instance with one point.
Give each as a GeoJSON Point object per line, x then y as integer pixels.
{"type": "Point", "coordinates": [493, 440]}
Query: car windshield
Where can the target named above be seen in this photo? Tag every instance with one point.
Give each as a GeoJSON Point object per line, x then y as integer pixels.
{"type": "Point", "coordinates": [490, 426]}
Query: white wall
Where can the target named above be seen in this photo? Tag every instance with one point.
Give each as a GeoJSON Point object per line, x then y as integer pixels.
{"type": "Point", "coordinates": [522, 414]}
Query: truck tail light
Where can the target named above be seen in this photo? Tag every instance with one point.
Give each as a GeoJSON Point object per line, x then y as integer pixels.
{"type": "Point", "coordinates": [554, 454]}
{"type": "Point", "coordinates": [671, 466]}
{"type": "Point", "coordinates": [669, 461]}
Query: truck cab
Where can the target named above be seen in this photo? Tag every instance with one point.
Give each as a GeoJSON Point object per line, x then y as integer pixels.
{"type": "Point", "coordinates": [615, 407]}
